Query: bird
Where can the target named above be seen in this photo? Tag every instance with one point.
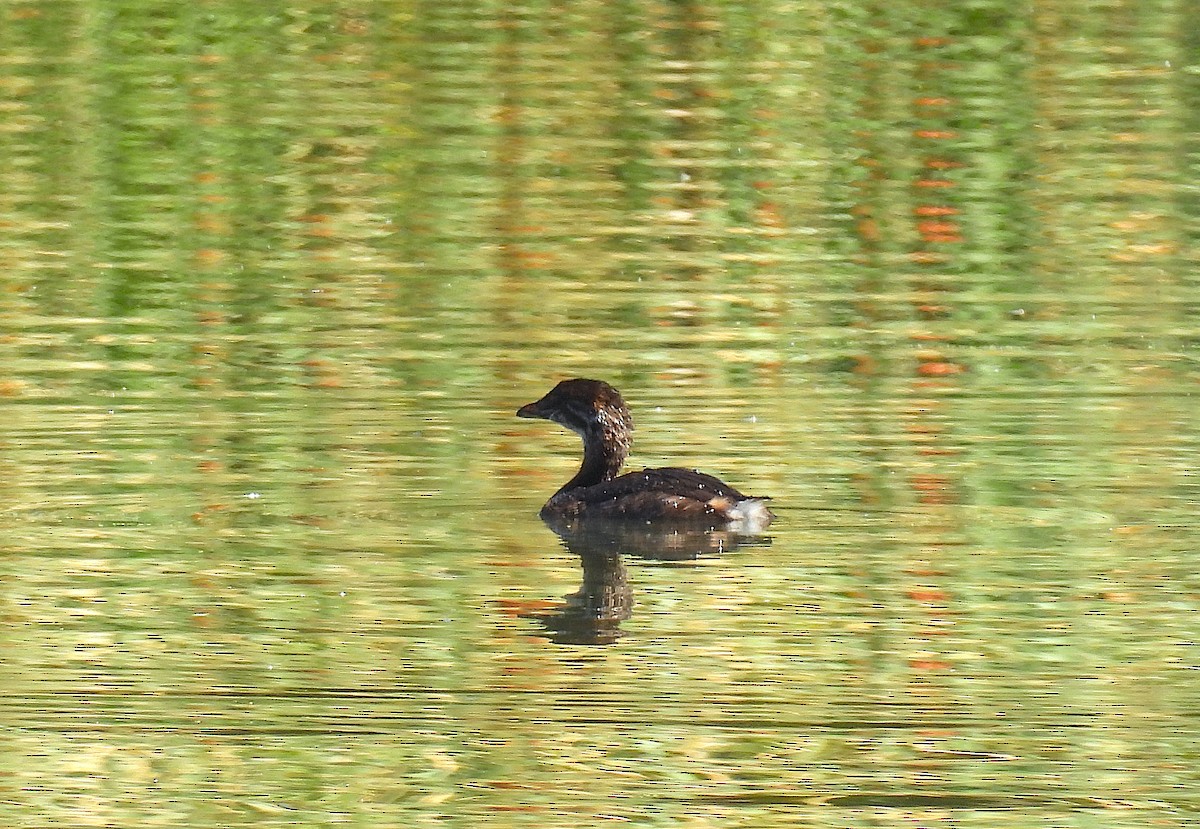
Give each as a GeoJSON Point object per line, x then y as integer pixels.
{"type": "Point", "coordinates": [669, 495]}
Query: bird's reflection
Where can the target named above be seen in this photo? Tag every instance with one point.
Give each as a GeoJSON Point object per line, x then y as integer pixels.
{"type": "Point", "coordinates": [592, 615]}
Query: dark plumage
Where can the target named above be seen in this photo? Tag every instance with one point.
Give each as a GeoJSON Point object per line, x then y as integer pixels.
{"type": "Point", "coordinates": [595, 411]}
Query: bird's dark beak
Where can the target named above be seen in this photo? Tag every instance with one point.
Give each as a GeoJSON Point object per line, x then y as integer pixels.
{"type": "Point", "coordinates": [529, 410]}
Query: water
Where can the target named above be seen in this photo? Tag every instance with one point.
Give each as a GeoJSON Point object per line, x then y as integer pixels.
{"type": "Point", "coordinates": [275, 282]}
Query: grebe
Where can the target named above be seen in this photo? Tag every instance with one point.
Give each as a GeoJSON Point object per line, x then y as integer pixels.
{"type": "Point", "coordinates": [595, 411]}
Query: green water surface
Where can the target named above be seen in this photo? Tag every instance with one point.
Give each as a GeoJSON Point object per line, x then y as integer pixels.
{"type": "Point", "coordinates": [274, 278]}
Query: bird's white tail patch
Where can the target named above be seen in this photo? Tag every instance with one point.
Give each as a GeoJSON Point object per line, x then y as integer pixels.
{"type": "Point", "coordinates": [748, 516]}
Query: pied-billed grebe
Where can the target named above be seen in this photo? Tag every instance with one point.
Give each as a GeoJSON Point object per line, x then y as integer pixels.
{"type": "Point", "coordinates": [595, 410]}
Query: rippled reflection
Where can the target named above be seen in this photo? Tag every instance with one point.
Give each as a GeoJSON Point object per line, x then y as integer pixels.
{"type": "Point", "coordinates": [276, 277]}
{"type": "Point", "coordinates": [592, 615]}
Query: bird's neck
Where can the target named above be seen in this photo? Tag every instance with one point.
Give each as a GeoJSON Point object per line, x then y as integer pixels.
{"type": "Point", "coordinates": [604, 451]}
